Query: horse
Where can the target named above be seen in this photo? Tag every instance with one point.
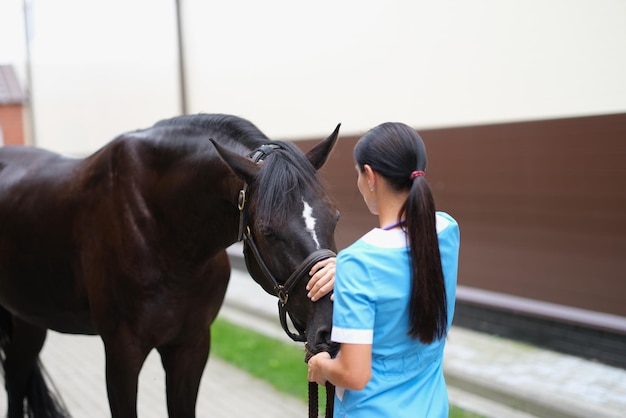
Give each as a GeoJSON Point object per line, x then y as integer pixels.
{"type": "Point", "coordinates": [130, 242]}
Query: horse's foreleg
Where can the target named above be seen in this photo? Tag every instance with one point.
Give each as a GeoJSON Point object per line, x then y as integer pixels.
{"type": "Point", "coordinates": [124, 359]}
{"type": "Point", "coordinates": [184, 364]}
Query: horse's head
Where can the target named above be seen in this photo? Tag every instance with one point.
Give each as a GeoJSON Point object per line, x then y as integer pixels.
{"type": "Point", "coordinates": [287, 225]}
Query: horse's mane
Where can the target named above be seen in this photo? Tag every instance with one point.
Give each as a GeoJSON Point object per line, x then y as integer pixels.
{"type": "Point", "coordinates": [286, 172]}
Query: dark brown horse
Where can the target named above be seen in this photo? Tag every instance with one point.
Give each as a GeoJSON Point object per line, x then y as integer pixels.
{"type": "Point", "coordinates": [129, 244]}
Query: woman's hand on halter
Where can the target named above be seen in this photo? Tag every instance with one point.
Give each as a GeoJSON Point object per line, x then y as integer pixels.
{"type": "Point", "coordinates": [322, 279]}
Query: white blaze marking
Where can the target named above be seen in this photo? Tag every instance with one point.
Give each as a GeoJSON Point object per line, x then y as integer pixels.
{"type": "Point", "coordinates": [309, 221]}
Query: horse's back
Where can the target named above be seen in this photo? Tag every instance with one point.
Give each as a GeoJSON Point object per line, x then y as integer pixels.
{"type": "Point", "coordinates": [21, 162]}
{"type": "Point", "coordinates": [33, 182]}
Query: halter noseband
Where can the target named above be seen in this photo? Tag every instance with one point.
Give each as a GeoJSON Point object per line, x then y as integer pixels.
{"type": "Point", "coordinates": [280, 290]}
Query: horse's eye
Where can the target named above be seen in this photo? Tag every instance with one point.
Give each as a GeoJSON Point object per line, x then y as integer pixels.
{"type": "Point", "coordinates": [268, 232]}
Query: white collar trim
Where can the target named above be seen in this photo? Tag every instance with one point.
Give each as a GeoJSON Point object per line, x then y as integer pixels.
{"type": "Point", "coordinates": [396, 238]}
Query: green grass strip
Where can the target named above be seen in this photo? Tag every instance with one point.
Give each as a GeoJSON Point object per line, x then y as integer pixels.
{"type": "Point", "coordinates": [279, 363]}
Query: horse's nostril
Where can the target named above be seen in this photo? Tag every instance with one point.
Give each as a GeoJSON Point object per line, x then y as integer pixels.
{"type": "Point", "coordinates": [322, 337]}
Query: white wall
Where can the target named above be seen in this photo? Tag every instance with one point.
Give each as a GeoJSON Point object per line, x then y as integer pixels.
{"type": "Point", "coordinates": [296, 69]}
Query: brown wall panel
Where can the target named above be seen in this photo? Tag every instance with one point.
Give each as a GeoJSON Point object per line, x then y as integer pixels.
{"type": "Point", "coordinates": [541, 206]}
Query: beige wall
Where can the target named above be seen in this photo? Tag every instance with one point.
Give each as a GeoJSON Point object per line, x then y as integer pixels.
{"type": "Point", "coordinates": [98, 68]}
{"type": "Point", "coordinates": [296, 69]}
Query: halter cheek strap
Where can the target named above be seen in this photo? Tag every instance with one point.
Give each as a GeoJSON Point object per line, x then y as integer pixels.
{"type": "Point", "coordinates": [256, 156]}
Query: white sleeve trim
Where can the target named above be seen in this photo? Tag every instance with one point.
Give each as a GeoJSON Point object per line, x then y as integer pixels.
{"type": "Point", "coordinates": [441, 222]}
{"type": "Point", "coordinates": [352, 336]}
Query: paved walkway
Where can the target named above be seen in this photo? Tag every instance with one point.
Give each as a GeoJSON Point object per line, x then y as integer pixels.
{"type": "Point", "coordinates": [76, 365]}
{"type": "Point", "coordinates": [491, 376]}
{"type": "Point", "coordinates": [495, 377]}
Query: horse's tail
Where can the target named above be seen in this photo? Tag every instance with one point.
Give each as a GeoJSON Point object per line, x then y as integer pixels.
{"type": "Point", "coordinates": [5, 335]}
{"type": "Point", "coordinates": [41, 401]}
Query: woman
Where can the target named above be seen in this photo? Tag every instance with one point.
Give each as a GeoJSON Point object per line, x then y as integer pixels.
{"type": "Point", "coordinates": [394, 290]}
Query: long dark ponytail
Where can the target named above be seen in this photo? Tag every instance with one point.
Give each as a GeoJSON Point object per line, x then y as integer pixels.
{"type": "Point", "coordinates": [397, 152]}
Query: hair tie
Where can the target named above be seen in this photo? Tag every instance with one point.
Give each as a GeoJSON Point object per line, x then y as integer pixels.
{"type": "Point", "coordinates": [416, 174]}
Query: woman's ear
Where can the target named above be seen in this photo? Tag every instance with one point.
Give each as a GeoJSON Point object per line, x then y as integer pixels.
{"type": "Point", "coordinates": [369, 176]}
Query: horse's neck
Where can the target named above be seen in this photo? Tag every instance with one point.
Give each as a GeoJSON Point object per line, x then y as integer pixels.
{"type": "Point", "coordinates": [209, 190]}
{"type": "Point", "coordinates": [184, 185]}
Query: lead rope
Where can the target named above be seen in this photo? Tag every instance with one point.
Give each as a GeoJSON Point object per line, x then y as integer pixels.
{"type": "Point", "coordinates": [314, 400]}
{"type": "Point", "coordinates": [330, 399]}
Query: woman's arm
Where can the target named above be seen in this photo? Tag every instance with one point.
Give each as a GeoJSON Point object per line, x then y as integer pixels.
{"type": "Point", "coordinates": [351, 369]}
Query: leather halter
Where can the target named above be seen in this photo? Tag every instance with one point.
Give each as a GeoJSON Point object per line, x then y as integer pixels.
{"type": "Point", "coordinates": [281, 291]}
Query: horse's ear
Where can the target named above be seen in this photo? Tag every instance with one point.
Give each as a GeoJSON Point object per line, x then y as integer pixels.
{"type": "Point", "coordinates": [319, 153]}
{"type": "Point", "coordinates": [243, 167]}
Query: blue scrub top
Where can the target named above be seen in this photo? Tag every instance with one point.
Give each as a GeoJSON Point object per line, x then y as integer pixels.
{"type": "Point", "coordinates": [372, 292]}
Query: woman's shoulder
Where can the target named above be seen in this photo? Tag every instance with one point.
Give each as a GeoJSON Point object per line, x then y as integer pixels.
{"type": "Point", "coordinates": [357, 247]}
